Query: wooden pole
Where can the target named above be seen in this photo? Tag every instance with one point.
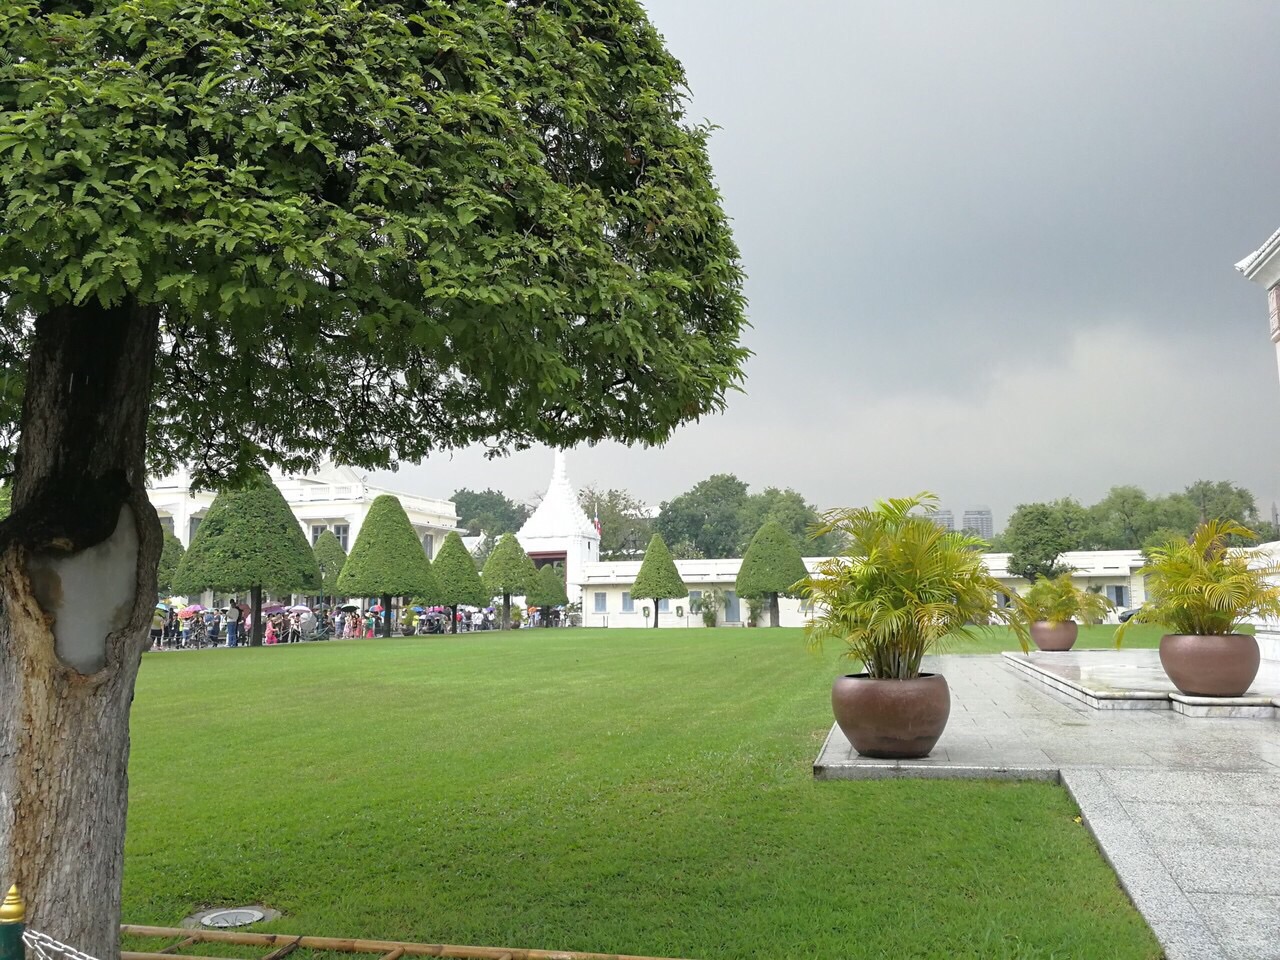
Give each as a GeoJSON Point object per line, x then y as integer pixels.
{"type": "Point", "coordinates": [346, 945]}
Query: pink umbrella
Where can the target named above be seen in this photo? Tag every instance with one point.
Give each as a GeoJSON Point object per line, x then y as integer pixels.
{"type": "Point", "coordinates": [191, 611]}
{"type": "Point", "coordinates": [376, 608]}
{"type": "Point", "coordinates": [270, 608]}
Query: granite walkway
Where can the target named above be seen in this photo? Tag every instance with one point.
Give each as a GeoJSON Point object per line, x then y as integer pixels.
{"type": "Point", "coordinates": [1184, 808]}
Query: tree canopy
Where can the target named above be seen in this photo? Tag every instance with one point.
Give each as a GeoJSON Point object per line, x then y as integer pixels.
{"type": "Point", "coordinates": [387, 558]}
{"type": "Point", "coordinates": [456, 576]}
{"type": "Point", "coordinates": [717, 518]}
{"type": "Point", "coordinates": [491, 218]}
{"type": "Point", "coordinates": [331, 558]}
{"type": "Point", "coordinates": [771, 565]}
{"type": "Point", "coordinates": [508, 569]}
{"type": "Point", "coordinates": [488, 511]}
{"type": "Point", "coordinates": [658, 578]}
{"type": "Point", "coordinates": [249, 538]}
{"type": "Point", "coordinates": [548, 589]}
{"type": "Point", "coordinates": [1036, 538]}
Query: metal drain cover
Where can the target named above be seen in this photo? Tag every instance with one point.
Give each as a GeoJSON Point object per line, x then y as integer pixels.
{"type": "Point", "coordinates": [237, 917]}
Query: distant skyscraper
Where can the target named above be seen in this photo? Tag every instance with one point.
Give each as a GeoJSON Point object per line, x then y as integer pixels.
{"type": "Point", "coordinates": [979, 520]}
{"type": "Point", "coordinates": [945, 519]}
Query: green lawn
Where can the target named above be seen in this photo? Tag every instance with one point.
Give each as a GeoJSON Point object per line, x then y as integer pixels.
{"type": "Point", "coordinates": [636, 791]}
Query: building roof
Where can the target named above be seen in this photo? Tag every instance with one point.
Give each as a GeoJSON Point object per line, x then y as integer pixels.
{"type": "Point", "coordinates": [1251, 264]}
{"type": "Point", "coordinates": [559, 514]}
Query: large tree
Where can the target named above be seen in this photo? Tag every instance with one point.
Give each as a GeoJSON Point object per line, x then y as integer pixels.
{"type": "Point", "coordinates": [249, 540]}
{"type": "Point", "coordinates": [1037, 536]}
{"type": "Point", "coordinates": [789, 509]}
{"type": "Point", "coordinates": [771, 566]}
{"type": "Point", "coordinates": [247, 233]}
{"type": "Point", "coordinates": [457, 579]}
{"type": "Point", "coordinates": [709, 516]}
{"type": "Point", "coordinates": [488, 511]}
{"type": "Point", "coordinates": [658, 578]}
{"type": "Point", "coordinates": [331, 558]}
{"type": "Point", "coordinates": [387, 560]}
{"type": "Point", "coordinates": [508, 572]}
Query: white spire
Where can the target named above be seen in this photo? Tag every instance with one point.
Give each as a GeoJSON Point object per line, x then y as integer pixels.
{"type": "Point", "coordinates": [559, 514]}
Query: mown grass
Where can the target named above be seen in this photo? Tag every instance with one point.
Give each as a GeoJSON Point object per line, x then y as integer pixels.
{"type": "Point", "coordinates": [635, 791]}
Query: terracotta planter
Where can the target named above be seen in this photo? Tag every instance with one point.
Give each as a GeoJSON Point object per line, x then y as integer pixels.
{"type": "Point", "coordinates": [892, 719]}
{"type": "Point", "coordinates": [1210, 666]}
{"type": "Point", "coordinates": [1047, 635]}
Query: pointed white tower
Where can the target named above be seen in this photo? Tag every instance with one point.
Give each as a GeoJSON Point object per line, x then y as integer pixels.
{"type": "Point", "coordinates": [560, 531]}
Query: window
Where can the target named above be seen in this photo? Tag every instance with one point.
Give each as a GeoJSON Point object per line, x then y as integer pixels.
{"type": "Point", "coordinates": [694, 597]}
{"type": "Point", "coordinates": [664, 605]}
{"type": "Point", "coordinates": [428, 544]}
{"type": "Point", "coordinates": [1118, 595]}
{"type": "Point", "coordinates": [316, 530]}
{"type": "Point", "coordinates": [191, 529]}
{"type": "Point", "coordinates": [166, 524]}
{"type": "Point", "coordinates": [340, 530]}
{"type": "Point", "coordinates": [628, 605]}
{"type": "Point", "coordinates": [601, 602]}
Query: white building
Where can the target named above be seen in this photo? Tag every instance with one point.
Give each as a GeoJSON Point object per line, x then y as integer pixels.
{"type": "Point", "coordinates": [559, 531]}
{"type": "Point", "coordinates": [1263, 267]}
{"type": "Point", "coordinates": [607, 600]}
{"type": "Point", "coordinates": [334, 498]}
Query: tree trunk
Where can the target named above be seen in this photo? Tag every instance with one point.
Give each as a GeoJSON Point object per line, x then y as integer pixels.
{"type": "Point", "coordinates": [453, 619]}
{"type": "Point", "coordinates": [773, 610]}
{"type": "Point", "coordinates": [259, 628]}
{"type": "Point", "coordinates": [78, 562]}
{"type": "Point", "coordinates": [386, 615]}
{"type": "Point", "coordinates": [506, 611]}
{"type": "Point", "coordinates": [655, 613]}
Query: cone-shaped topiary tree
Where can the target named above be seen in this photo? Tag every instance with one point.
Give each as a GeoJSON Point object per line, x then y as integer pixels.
{"type": "Point", "coordinates": [249, 540]}
{"type": "Point", "coordinates": [170, 557]}
{"type": "Point", "coordinates": [457, 579]}
{"type": "Point", "coordinates": [331, 558]}
{"type": "Point", "coordinates": [548, 591]}
{"type": "Point", "coordinates": [771, 566]}
{"type": "Point", "coordinates": [508, 571]}
{"type": "Point", "coordinates": [387, 559]}
{"type": "Point", "coordinates": [658, 578]}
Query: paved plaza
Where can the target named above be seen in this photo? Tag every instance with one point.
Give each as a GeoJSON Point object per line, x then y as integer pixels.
{"type": "Point", "coordinates": [1183, 807]}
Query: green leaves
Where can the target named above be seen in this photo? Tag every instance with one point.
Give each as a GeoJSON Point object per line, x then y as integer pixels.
{"type": "Point", "coordinates": [457, 579]}
{"type": "Point", "coordinates": [772, 564]}
{"type": "Point", "coordinates": [901, 586]}
{"type": "Point", "coordinates": [508, 569]}
{"type": "Point", "coordinates": [1202, 585]}
{"type": "Point", "coordinates": [658, 578]}
{"type": "Point", "coordinates": [331, 558]}
{"type": "Point", "coordinates": [387, 558]}
{"type": "Point", "coordinates": [490, 218]}
{"type": "Point", "coordinates": [249, 538]}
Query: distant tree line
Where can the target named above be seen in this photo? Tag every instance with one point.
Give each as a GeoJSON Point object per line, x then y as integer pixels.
{"type": "Point", "coordinates": [1127, 518]}
{"type": "Point", "coordinates": [714, 519]}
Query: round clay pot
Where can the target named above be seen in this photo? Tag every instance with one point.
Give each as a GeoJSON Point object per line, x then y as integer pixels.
{"type": "Point", "coordinates": [891, 719]}
{"type": "Point", "coordinates": [1047, 635]}
{"type": "Point", "coordinates": [1221, 666]}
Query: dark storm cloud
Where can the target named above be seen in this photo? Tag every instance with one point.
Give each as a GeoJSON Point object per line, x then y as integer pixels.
{"type": "Point", "coordinates": [967, 226]}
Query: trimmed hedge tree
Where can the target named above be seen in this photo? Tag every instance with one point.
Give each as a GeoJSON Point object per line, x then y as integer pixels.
{"type": "Point", "coordinates": [387, 559]}
{"type": "Point", "coordinates": [658, 578]}
{"type": "Point", "coordinates": [249, 540]}
{"type": "Point", "coordinates": [170, 557]}
{"type": "Point", "coordinates": [508, 571]}
{"type": "Point", "coordinates": [331, 558]}
{"type": "Point", "coordinates": [457, 579]}
{"type": "Point", "coordinates": [771, 566]}
{"type": "Point", "coordinates": [548, 591]}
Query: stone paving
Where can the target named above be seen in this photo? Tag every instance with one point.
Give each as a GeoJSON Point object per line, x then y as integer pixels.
{"type": "Point", "coordinates": [1184, 808]}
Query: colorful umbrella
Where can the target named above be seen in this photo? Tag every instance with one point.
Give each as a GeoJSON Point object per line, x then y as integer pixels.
{"type": "Point", "coordinates": [376, 608]}
{"type": "Point", "coordinates": [300, 608]}
{"type": "Point", "coordinates": [418, 609]}
{"type": "Point", "coordinates": [270, 608]}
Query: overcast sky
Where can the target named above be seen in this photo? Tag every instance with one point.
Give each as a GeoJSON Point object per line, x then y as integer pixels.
{"type": "Point", "coordinates": [989, 250]}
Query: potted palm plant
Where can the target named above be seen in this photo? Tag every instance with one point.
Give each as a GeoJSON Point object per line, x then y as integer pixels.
{"type": "Point", "coordinates": [1051, 608]}
{"type": "Point", "coordinates": [1203, 590]}
{"type": "Point", "coordinates": [900, 587]}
